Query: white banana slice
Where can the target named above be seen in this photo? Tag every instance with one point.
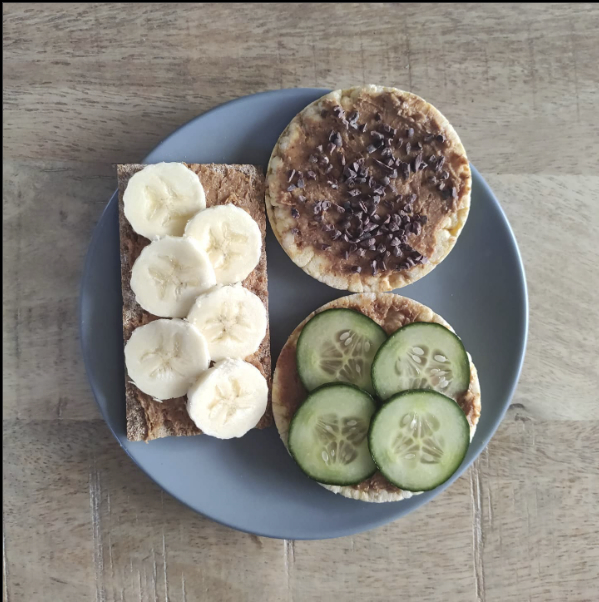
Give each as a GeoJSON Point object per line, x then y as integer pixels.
{"type": "Point", "coordinates": [160, 199]}
{"type": "Point", "coordinates": [228, 399]}
{"type": "Point", "coordinates": [169, 274]}
{"type": "Point", "coordinates": [232, 319]}
{"type": "Point", "coordinates": [231, 238]}
{"type": "Point", "coordinates": [165, 357]}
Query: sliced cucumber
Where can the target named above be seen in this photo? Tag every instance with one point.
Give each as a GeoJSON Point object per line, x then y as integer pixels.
{"type": "Point", "coordinates": [328, 435]}
{"type": "Point", "coordinates": [418, 439]}
{"type": "Point", "coordinates": [338, 345]}
{"type": "Point", "coordinates": [421, 355]}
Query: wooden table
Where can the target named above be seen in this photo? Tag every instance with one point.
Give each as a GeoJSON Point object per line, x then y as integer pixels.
{"type": "Point", "coordinates": [90, 85]}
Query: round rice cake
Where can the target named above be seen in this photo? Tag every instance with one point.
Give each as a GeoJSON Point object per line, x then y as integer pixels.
{"type": "Point", "coordinates": [391, 311]}
{"type": "Point", "coordinates": [368, 188]}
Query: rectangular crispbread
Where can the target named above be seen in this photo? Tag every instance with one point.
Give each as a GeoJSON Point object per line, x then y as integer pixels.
{"type": "Point", "coordinates": [243, 186]}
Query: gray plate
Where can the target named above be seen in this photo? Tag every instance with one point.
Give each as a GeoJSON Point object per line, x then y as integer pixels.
{"type": "Point", "coordinates": [252, 484]}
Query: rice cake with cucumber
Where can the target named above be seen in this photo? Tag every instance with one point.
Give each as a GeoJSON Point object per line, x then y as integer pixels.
{"type": "Point", "coordinates": [375, 326]}
{"type": "Point", "coordinates": [368, 188]}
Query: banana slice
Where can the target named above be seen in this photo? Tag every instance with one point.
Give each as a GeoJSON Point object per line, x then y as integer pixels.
{"type": "Point", "coordinates": [232, 319]}
{"type": "Point", "coordinates": [169, 274]}
{"type": "Point", "coordinates": [228, 399]}
{"type": "Point", "coordinates": [231, 238]}
{"type": "Point", "coordinates": [160, 199]}
{"type": "Point", "coordinates": [165, 357]}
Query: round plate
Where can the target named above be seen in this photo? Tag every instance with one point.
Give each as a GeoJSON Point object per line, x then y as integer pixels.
{"type": "Point", "coordinates": [252, 484]}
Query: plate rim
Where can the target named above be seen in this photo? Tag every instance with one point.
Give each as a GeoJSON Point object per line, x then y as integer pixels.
{"type": "Point", "coordinates": [375, 523]}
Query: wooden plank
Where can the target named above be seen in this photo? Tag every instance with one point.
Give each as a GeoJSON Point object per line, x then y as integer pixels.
{"type": "Point", "coordinates": [525, 83]}
{"type": "Point", "coordinates": [81, 521]}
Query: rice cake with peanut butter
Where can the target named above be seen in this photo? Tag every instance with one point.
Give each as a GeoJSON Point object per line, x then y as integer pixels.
{"type": "Point", "coordinates": [368, 188]}
{"type": "Point", "coordinates": [391, 312]}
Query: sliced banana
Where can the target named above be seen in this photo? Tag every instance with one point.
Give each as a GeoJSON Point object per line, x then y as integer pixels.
{"type": "Point", "coordinates": [160, 199]}
{"type": "Point", "coordinates": [231, 238]}
{"type": "Point", "coordinates": [165, 357]}
{"type": "Point", "coordinates": [228, 399]}
{"type": "Point", "coordinates": [232, 319]}
{"type": "Point", "coordinates": [169, 274]}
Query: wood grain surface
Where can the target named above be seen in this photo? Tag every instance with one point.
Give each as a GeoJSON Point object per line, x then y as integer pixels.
{"type": "Point", "coordinates": [87, 86]}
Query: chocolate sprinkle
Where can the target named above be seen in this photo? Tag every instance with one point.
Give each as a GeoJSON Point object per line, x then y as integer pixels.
{"type": "Point", "coordinates": [311, 175]}
{"type": "Point", "coordinates": [335, 138]}
{"type": "Point", "coordinates": [356, 268]}
{"type": "Point", "coordinates": [301, 198]}
{"type": "Point", "coordinates": [291, 187]}
{"type": "Point", "coordinates": [410, 132]}
{"type": "Point", "coordinates": [294, 213]}
{"type": "Point", "coordinates": [417, 162]}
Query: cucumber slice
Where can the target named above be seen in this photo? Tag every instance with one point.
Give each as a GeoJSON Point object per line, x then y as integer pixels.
{"type": "Point", "coordinates": [421, 355]}
{"type": "Point", "coordinates": [338, 345]}
{"type": "Point", "coordinates": [328, 435]}
{"type": "Point", "coordinates": [418, 439]}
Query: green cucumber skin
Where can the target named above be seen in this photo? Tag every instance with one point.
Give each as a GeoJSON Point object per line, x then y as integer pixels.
{"type": "Point", "coordinates": [321, 313]}
{"type": "Point", "coordinates": [389, 342]}
{"type": "Point", "coordinates": [338, 483]}
{"type": "Point", "coordinates": [370, 439]}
